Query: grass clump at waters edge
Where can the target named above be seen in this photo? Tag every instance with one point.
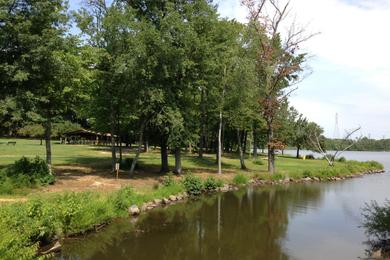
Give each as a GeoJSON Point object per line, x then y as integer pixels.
{"type": "Point", "coordinates": [240, 179]}
{"type": "Point", "coordinates": [212, 184]}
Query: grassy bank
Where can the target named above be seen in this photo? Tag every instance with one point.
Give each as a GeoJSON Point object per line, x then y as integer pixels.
{"type": "Point", "coordinates": [42, 217]}
{"type": "Point", "coordinates": [27, 225]}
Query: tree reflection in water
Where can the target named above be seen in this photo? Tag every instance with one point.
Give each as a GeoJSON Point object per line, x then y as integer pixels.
{"type": "Point", "coordinates": [245, 224]}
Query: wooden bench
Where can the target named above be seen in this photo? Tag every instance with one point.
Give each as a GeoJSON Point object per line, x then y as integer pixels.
{"type": "Point", "coordinates": [11, 143]}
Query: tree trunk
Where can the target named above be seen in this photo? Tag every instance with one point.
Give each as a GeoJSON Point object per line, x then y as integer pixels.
{"type": "Point", "coordinates": [41, 141]}
{"type": "Point", "coordinates": [120, 149]}
{"type": "Point", "coordinates": [254, 144]}
{"type": "Point", "coordinates": [177, 161]}
{"type": "Point", "coordinates": [113, 151]}
{"type": "Point", "coordinates": [135, 160]}
{"type": "Point", "coordinates": [298, 150]}
{"type": "Point", "coordinates": [48, 143]}
{"type": "Point", "coordinates": [164, 155]}
{"type": "Point", "coordinates": [113, 147]}
{"type": "Point", "coordinates": [203, 124]}
{"type": "Point", "coordinates": [241, 154]}
{"type": "Point", "coordinates": [271, 150]}
{"type": "Point", "coordinates": [219, 151]}
{"type": "Point", "coordinates": [146, 146]}
{"type": "Point", "coordinates": [245, 140]}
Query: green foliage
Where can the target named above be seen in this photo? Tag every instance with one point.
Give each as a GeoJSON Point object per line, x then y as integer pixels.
{"type": "Point", "coordinates": [32, 130]}
{"type": "Point", "coordinates": [240, 179]}
{"type": "Point", "coordinates": [25, 173]}
{"type": "Point", "coordinates": [212, 184]}
{"type": "Point", "coordinates": [341, 159]}
{"type": "Point", "coordinates": [30, 171]}
{"type": "Point", "coordinates": [361, 144]}
{"type": "Point", "coordinates": [258, 162]}
{"type": "Point", "coordinates": [168, 180]}
{"type": "Point", "coordinates": [277, 176]}
{"type": "Point", "coordinates": [193, 185]}
{"type": "Point", "coordinates": [310, 157]}
{"type": "Point", "coordinates": [307, 173]}
{"type": "Point", "coordinates": [374, 165]}
{"type": "Point", "coordinates": [377, 219]}
{"type": "Point", "coordinates": [41, 219]}
{"type": "Point", "coordinates": [58, 129]}
{"type": "Point", "coordinates": [122, 199]}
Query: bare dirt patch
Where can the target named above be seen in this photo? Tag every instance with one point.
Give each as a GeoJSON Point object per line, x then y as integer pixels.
{"type": "Point", "coordinates": [83, 178]}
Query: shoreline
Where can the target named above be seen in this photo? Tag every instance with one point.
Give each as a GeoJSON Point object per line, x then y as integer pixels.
{"type": "Point", "coordinates": [134, 211]}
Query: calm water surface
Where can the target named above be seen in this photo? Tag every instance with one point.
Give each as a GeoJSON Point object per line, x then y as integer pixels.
{"type": "Point", "coordinates": [297, 221]}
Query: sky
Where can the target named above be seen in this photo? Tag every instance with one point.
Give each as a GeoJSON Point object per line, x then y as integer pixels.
{"type": "Point", "coordinates": [349, 62]}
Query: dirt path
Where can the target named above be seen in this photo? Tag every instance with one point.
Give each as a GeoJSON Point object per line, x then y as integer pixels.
{"type": "Point", "coordinates": [78, 178]}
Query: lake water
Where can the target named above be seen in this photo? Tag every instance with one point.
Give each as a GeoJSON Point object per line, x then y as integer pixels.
{"type": "Point", "coordinates": [297, 221]}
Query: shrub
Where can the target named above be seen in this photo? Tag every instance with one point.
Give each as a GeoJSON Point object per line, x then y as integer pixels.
{"type": "Point", "coordinates": [30, 172]}
{"type": "Point", "coordinates": [168, 180]}
{"type": "Point", "coordinates": [258, 162]}
{"type": "Point", "coordinates": [211, 184]}
{"type": "Point", "coordinates": [240, 179]}
{"type": "Point", "coordinates": [307, 173]}
{"type": "Point", "coordinates": [342, 159]}
{"type": "Point", "coordinates": [310, 157]}
{"type": "Point", "coordinates": [122, 199]}
{"type": "Point", "coordinates": [377, 219]}
{"type": "Point", "coordinates": [277, 176]}
{"type": "Point", "coordinates": [25, 173]}
{"type": "Point", "coordinates": [193, 185]}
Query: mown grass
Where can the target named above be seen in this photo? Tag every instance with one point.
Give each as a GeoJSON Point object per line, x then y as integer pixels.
{"type": "Point", "coordinates": [97, 156]}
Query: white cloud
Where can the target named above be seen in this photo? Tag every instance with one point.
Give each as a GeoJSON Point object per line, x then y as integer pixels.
{"type": "Point", "coordinates": [351, 69]}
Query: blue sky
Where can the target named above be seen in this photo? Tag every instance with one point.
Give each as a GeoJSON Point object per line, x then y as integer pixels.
{"type": "Point", "coordinates": [350, 62]}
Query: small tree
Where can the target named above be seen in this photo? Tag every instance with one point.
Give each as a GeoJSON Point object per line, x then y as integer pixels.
{"type": "Point", "coordinates": [345, 143]}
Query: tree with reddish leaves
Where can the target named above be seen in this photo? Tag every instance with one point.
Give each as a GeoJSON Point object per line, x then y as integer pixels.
{"type": "Point", "coordinates": [279, 62]}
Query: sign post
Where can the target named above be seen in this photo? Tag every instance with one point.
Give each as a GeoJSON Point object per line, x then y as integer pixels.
{"type": "Point", "coordinates": [117, 170]}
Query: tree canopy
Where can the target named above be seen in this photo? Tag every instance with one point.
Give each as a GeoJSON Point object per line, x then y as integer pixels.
{"type": "Point", "coordinates": [173, 74]}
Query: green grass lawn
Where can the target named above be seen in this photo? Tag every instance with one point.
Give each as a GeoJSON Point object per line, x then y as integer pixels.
{"type": "Point", "coordinates": [98, 157]}
{"type": "Point", "coordinates": [62, 154]}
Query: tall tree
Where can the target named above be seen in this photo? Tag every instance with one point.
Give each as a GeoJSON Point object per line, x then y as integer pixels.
{"type": "Point", "coordinates": [43, 68]}
{"type": "Point", "coordinates": [278, 60]}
